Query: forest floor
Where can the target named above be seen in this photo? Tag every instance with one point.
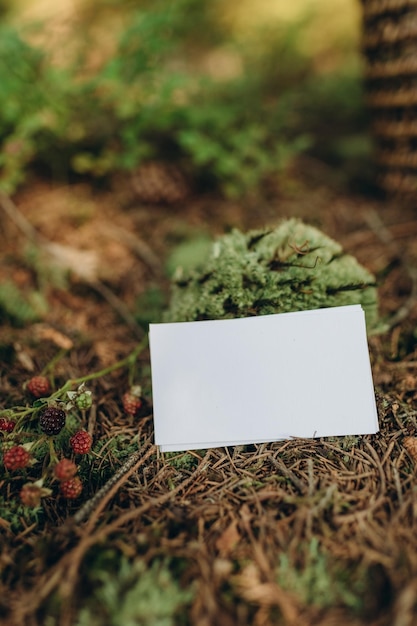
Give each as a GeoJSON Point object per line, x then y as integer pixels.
{"type": "Point", "coordinates": [298, 532]}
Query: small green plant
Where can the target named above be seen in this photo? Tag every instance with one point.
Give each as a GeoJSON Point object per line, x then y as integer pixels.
{"type": "Point", "coordinates": [134, 595]}
{"type": "Point", "coordinates": [189, 253]}
{"type": "Point", "coordinates": [20, 308]}
{"type": "Point", "coordinates": [318, 582]}
{"type": "Point", "coordinates": [110, 454]}
{"type": "Point", "coordinates": [150, 306]}
{"type": "Point", "coordinates": [32, 103]}
{"type": "Point", "coordinates": [185, 461]}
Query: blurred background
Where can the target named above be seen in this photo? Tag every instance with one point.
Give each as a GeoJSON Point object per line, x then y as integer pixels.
{"type": "Point", "coordinates": [212, 94]}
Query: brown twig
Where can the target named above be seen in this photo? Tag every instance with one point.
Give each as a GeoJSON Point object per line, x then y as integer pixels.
{"type": "Point", "coordinates": [20, 220]}
{"type": "Point", "coordinates": [302, 488]}
{"type": "Point", "coordinates": [93, 507]}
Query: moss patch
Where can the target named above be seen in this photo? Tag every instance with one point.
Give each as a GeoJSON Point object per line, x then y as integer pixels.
{"type": "Point", "coordinates": [293, 267]}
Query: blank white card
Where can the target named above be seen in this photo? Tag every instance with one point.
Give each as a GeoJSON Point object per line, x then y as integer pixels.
{"type": "Point", "coordinates": [259, 379]}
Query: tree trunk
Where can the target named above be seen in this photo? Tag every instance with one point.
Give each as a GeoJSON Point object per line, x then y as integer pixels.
{"type": "Point", "coordinates": [390, 50]}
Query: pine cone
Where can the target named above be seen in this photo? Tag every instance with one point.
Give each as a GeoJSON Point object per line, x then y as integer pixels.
{"type": "Point", "coordinates": [390, 50]}
{"type": "Point", "coordinates": [159, 183]}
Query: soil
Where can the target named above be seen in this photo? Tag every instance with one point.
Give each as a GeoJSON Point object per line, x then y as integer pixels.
{"type": "Point", "coordinates": [232, 516]}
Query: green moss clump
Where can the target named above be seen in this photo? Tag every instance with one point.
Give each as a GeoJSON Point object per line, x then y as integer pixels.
{"type": "Point", "coordinates": [293, 267]}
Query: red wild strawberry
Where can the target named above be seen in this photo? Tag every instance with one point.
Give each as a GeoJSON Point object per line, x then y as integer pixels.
{"type": "Point", "coordinates": [16, 458]}
{"type": "Point", "coordinates": [7, 425]}
{"type": "Point", "coordinates": [71, 488]}
{"type": "Point", "coordinates": [39, 386]}
{"type": "Point", "coordinates": [65, 469]}
{"type": "Point", "coordinates": [52, 420]}
{"type": "Point", "coordinates": [132, 401]}
{"type": "Point", "coordinates": [81, 442]}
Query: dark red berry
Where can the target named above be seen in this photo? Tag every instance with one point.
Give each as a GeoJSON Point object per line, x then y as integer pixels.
{"type": "Point", "coordinates": [39, 386]}
{"type": "Point", "coordinates": [81, 442]}
{"type": "Point", "coordinates": [16, 458]}
{"type": "Point", "coordinates": [132, 400]}
{"type": "Point", "coordinates": [52, 420]}
{"type": "Point", "coordinates": [7, 425]}
{"type": "Point", "coordinates": [65, 469]}
{"type": "Point", "coordinates": [71, 488]}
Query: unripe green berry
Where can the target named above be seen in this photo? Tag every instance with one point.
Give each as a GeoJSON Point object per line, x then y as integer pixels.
{"type": "Point", "coordinates": [84, 400]}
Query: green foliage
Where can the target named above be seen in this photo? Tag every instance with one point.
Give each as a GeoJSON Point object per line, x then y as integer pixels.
{"type": "Point", "coordinates": [25, 108]}
{"type": "Point", "coordinates": [20, 308]}
{"type": "Point", "coordinates": [332, 111]}
{"type": "Point", "coordinates": [185, 461]}
{"type": "Point", "coordinates": [318, 581]}
{"type": "Point", "coordinates": [133, 594]}
{"type": "Point", "coordinates": [48, 274]}
{"type": "Point", "coordinates": [149, 306]}
{"type": "Point", "coordinates": [228, 144]}
{"type": "Point", "coordinates": [120, 446]}
{"type": "Point", "coordinates": [291, 268]}
{"type": "Point", "coordinates": [189, 253]}
{"type": "Point", "coordinates": [17, 516]}
{"type": "Point", "coordinates": [110, 454]}
{"type": "Point", "coordinates": [163, 113]}
{"type": "Point", "coordinates": [155, 99]}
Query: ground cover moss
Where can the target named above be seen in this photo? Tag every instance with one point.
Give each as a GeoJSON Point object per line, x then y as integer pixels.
{"type": "Point", "coordinates": [293, 267]}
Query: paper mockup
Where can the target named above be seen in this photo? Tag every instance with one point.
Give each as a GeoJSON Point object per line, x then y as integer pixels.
{"type": "Point", "coordinates": [261, 379]}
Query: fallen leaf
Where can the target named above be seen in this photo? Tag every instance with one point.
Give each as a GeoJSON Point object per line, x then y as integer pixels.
{"type": "Point", "coordinates": [229, 539]}
{"type": "Point", "coordinates": [24, 358]}
{"type": "Point", "coordinates": [59, 339]}
{"type": "Point", "coordinates": [82, 263]}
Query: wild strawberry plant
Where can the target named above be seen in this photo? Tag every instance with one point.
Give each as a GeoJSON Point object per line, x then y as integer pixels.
{"type": "Point", "coordinates": [44, 443]}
